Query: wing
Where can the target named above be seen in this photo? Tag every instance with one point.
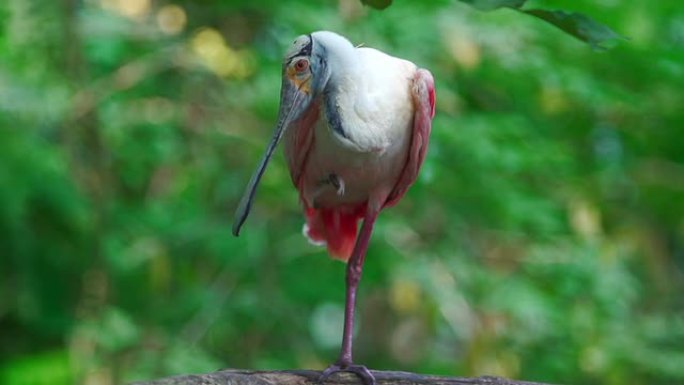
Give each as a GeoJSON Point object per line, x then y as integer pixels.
{"type": "Point", "coordinates": [298, 141]}
{"type": "Point", "coordinates": [423, 93]}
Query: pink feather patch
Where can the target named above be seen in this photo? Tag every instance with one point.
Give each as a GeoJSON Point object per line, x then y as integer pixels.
{"type": "Point", "coordinates": [335, 227]}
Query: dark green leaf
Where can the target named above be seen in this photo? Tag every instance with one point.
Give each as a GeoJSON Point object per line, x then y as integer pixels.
{"type": "Point", "coordinates": [573, 23]}
{"type": "Point", "coordinates": [377, 4]}
{"type": "Point", "coordinates": [579, 26]}
{"type": "Point", "coordinates": [489, 5]}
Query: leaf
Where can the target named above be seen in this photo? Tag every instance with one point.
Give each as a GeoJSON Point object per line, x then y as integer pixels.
{"type": "Point", "coordinates": [573, 23]}
{"type": "Point", "coordinates": [578, 25]}
{"type": "Point", "coordinates": [490, 5]}
{"type": "Point", "coordinates": [597, 35]}
{"type": "Point", "coordinates": [377, 4]}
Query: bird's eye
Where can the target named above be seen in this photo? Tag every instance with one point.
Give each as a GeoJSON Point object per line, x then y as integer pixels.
{"type": "Point", "coordinates": [301, 65]}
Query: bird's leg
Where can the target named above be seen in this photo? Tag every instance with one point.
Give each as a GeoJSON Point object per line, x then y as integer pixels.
{"type": "Point", "coordinates": [354, 270]}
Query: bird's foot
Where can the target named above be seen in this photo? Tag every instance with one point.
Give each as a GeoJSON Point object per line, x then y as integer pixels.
{"type": "Point", "coordinates": [337, 183]}
{"type": "Point", "coordinates": [360, 370]}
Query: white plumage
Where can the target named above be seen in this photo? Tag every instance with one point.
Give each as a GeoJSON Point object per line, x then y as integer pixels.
{"type": "Point", "coordinates": [371, 91]}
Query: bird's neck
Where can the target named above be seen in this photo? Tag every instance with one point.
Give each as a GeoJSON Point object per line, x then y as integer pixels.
{"type": "Point", "coordinates": [347, 108]}
{"type": "Point", "coordinates": [344, 69]}
{"type": "Point", "coordinates": [343, 84]}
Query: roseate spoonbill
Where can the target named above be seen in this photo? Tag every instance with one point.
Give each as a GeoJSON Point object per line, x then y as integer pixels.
{"type": "Point", "coordinates": [356, 124]}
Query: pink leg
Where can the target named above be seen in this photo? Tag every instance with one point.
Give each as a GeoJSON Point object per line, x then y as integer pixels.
{"type": "Point", "coordinates": [354, 270]}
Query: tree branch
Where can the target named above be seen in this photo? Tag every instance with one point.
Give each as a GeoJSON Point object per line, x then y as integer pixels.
{"type": "Point", "coordinates": [310, 377]}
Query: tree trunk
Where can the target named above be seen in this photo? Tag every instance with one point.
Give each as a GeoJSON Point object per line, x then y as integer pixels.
{"type": "Point", "coordinates": [310, 377]}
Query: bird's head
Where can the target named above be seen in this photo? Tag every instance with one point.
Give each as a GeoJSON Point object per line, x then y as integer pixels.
{"type": "Point", "coordinates": [309, 66]}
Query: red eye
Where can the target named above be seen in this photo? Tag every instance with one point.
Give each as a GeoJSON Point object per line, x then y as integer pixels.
{"type": "Point", "coordinates": [301, 65]}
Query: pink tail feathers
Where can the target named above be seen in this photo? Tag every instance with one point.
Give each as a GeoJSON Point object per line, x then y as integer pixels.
{"type": "Point", "coordinates": [336, 228]}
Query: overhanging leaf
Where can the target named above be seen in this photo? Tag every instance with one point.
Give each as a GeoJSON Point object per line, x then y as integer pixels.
{"type": "Point", "coordinates": [490, 5]}
{"type": "Point", "coordinates": [597, 35]}
{"type": "Point", "coordinates": [377, 4]}
{"type": "Point", "coordinates": [584, 28]}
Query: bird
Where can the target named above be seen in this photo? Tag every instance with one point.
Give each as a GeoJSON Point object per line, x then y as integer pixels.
{"type": "Point", "coordinates": [355, 123]}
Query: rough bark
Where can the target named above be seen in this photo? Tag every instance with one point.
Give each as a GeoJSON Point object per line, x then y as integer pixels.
{"type": "Point", "coordinates": [310, 377]}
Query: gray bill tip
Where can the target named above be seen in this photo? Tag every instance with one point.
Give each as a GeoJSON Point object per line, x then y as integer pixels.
{"type": "Point", "coordinates": [236, 228]}
{"type": "Point", "coordinates": [248, 196]}
{"type": "Point", "coordinates": [243, 209]}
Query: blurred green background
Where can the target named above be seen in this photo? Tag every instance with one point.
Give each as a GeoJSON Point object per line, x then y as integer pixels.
{"type": "Point", "coordinates": [544, 239]}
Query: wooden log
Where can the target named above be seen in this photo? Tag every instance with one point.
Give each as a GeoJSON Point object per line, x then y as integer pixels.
{"type": "Point", "coordinates": [310, 377]}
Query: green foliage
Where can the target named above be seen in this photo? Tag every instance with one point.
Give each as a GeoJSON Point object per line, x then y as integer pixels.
{"type": "Point", "coordinates": [542, 240]}
{"type": "Point", "coordinates": [377, 4]}
{"type": "Point", "coordinates": [576, 24]}
{"type": "Point", "coordinates": [489, 5]}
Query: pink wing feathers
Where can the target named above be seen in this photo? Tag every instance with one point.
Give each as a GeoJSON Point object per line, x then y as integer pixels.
{"type": "Point", "coordinates": [423, 92]}
{"type": "Point", "coordinates": [298, 142]}
{"type": "Point", "coordinates": [334, 227]}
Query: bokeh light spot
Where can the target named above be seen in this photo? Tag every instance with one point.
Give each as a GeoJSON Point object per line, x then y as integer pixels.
{"type": "Point", "coordinates": [133, 9]}
{"type": "Point", "coordinates": [171, 19]}
{"type": "Point", "coordinates": [220, 58]}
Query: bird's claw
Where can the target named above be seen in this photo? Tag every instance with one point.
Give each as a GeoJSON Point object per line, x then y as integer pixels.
{"type": "Point", "coordinates": [360, 370]}
{"type": "Point", "coordinates": [337, 183]}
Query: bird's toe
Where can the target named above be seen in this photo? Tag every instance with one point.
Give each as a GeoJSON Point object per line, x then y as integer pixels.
{"type": "Point", "coordinates": [360, 370]}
